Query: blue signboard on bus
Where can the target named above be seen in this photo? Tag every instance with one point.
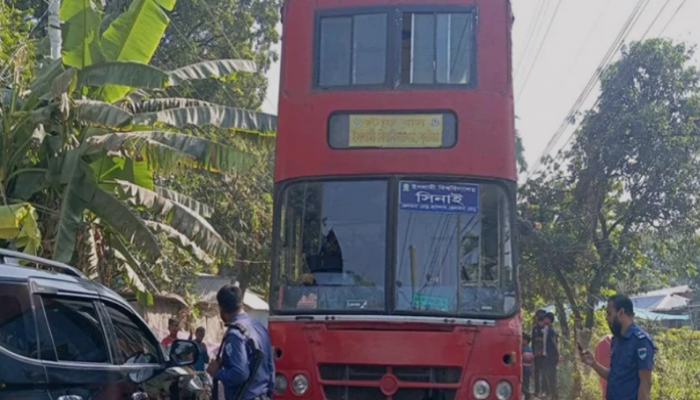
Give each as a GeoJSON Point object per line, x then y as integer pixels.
{"type": "Point", "coordinates": [449, 198]}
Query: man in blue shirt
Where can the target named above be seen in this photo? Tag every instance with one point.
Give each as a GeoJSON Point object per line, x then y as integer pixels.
{"type": "Point", "coordinates": [631, 354]}
{"type": "Point", "coordinates": [234, 369]}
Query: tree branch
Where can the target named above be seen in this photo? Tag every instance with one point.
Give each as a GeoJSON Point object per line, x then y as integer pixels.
{"type": "Point", "coordinates": [194, 28]}
{"type": "Point", "coordinates": [603, 224]}
{"type": "Point", "coordinates": [205, 42]}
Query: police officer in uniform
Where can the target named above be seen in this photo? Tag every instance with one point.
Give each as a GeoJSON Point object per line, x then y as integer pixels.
{"type": "Point", "coordinates": [631, 354]}
{"type": "Point", "coordinates": [233, 370]}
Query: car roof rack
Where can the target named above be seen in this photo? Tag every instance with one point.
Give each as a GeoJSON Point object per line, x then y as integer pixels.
{"type": "Point", "coordinates": [11, 257]}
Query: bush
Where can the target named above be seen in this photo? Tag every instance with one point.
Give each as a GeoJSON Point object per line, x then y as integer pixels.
{"type": "Point", "coordinates": [676, 370]}
{"type": "Point", "coordinates": [677, 366]}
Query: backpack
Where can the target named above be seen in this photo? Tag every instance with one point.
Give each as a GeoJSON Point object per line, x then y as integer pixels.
{"type": "Point", "coordinates": [255, 356]}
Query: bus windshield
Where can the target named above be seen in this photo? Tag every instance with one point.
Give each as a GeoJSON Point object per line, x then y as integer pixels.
{"type": "Point", "coordinates": [453, 250]}
{"type": "Point", "coordinates": [333, 246]}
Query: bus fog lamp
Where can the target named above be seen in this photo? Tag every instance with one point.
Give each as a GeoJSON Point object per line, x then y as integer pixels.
{"type": "Point", "coordinates": [481, 390]}
{"type": "Point", "coordinates": [280, 384]}
{"type": "Point", "coordinates": [504, 390]}
{"type": "Point", "coordinates": [300, 384]}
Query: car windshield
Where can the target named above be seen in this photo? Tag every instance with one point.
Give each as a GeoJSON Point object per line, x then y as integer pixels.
{"type": "Point", "coordinates": [452, 248]}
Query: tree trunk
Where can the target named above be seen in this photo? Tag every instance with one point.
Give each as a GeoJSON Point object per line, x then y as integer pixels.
{"type": "Point", "coordinates": [563, 317]}
{"type": "Point", "coordinates": [577, 386]}
{"type": "Point", "coordinates": [243, 277]}
{"type": "Point", "coordinates": [55, 29]}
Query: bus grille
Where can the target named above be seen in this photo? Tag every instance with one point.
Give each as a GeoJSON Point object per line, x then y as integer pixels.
{"type": "Point", "coordinates": [344, 372]}
{"type": "Point", "coordinates": [428, 374]}
{"type": "Point", "coordinates": [362, 382]}
{"type": "Point", "coordinates": [352, 393]}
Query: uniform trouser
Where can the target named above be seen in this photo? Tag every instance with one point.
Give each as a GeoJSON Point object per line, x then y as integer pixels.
{"type": "Point", "coordinates": [550, 377]}
{"type": "Point", "coordinates": [539, 374]}
{"type": "Point", "coordinates": [526, 384]}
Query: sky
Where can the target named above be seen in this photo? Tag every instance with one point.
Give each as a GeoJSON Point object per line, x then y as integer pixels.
{"type": "Point", "coordinates": [571, 37]}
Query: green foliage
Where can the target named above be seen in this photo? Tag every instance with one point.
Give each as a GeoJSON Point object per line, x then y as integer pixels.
{"type": "Point", "coordinates": [676, 369]}
{"type": "Point", "coordinates": [222, 29]}
{"type": "Point", "coordinates": [18, 223]}
{"type": "Point", "coordinates": [16, 45]}
{"type": "Point", "coordinates": [623, 212]}
{"type": "Point", "coordinates": [74, 142]}
{"type": "Point", "coordinates": [677, 365]}
{"type": "Point", "coordinates": [242, 214]}
{"type": "Point", "coordinates": [520, 153]}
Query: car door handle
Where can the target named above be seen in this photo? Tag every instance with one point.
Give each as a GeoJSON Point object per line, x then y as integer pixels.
{"type": "Point", "coordinates": [139, 396]}
{"type": "Point", "coordinates": [70, 397]}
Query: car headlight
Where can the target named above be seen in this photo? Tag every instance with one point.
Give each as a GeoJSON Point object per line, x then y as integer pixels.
{"type": "Point", "coordinates": [481, 390]}
{"type": "Point", "coordinates": [300, 384]}
{"type": "Point", "coordinates": [280, 384]}
{"type": "Point", "coordinates": [504, 390]}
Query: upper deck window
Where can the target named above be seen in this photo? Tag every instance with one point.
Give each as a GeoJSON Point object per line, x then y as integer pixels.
{"type": "Point", "coordinates": [437, 48]}
{"type": "Point", "coordinates": [352, 50]}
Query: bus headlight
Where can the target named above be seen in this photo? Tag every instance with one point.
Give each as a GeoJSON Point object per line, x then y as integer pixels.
{"type": "Point", "coordinates": [481, 390]}
{"type": "Point", "coordinates": [300, 384]}
{"type": "Point", "coordinates": [504, 390]}
{"type": "Point", "coordinates": [280, 384]}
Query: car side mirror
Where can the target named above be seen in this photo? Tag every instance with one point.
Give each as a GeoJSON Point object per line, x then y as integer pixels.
{"type": "Point", "coordinates": [183, 353]}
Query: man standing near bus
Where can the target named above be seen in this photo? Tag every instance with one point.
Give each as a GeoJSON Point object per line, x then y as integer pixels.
{"type": "Point", "coordinates": [538, 332]}
{"type": "Point", "coordinates": [551, 356]}
{"type": "Point", "coordinates": [235, 370]}
{"type": "Point", "coordinates": [528, 359]}
{"type": "Point", "coordinates": [632, 354]}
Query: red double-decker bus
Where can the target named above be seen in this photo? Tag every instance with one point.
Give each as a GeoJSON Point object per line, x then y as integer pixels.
{"type": "Point", "coordinates": [394, 273]}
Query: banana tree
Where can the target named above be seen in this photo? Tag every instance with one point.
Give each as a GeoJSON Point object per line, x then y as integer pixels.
{"type": "Point", "coordinates": [94, 146]}
{"type": "Point", "coordinates": [18, 220]}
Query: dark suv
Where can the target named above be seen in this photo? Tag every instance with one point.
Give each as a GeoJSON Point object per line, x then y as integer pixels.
{"type": "Point", "coordinates": [64, 337]}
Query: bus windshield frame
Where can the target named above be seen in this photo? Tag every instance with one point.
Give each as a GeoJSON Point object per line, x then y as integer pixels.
{"type": "Point", "coordinates": [377, 249]}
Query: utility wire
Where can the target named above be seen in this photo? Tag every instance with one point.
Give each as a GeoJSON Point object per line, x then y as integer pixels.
{"type": "Point", "coordinates": [539, 50]}
{"type": "Point", "coordinates": [655, 18]}
{"type": "Point", "coordinates": [622, 35]}
{"type": "Point", "coordinates": [589, 35]}
{"type": "Point", "coordinates": [672, 17]}
{"type": "Point", "coordinates": [531, 33]}
{"type": "Point", "coordinates": [571, 136]}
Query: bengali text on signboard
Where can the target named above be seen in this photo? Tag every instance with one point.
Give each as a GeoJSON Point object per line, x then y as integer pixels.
{"type": "Point", "coordinates": [451, 198]}
{"type": "Point", "coordinates": [414, 130]}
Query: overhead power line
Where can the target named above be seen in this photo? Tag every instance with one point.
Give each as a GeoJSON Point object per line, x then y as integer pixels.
{"type": "Point", "coordinates": [605, 62]}
{"type": "Point", "coordinates": [655, 19]}
{"type": "Point", "coordinates": [616, 89]}
{"type": "Point", "coordinates": [539, 50]}
{"type": "Point", "coordinates": [531, 33]}
{"type": "Point", "coordinates": [589, 35]}
{"type": "Point", "coordinates": [672, 17]}
{"type": "Point", "coordinates": [600, 96]}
